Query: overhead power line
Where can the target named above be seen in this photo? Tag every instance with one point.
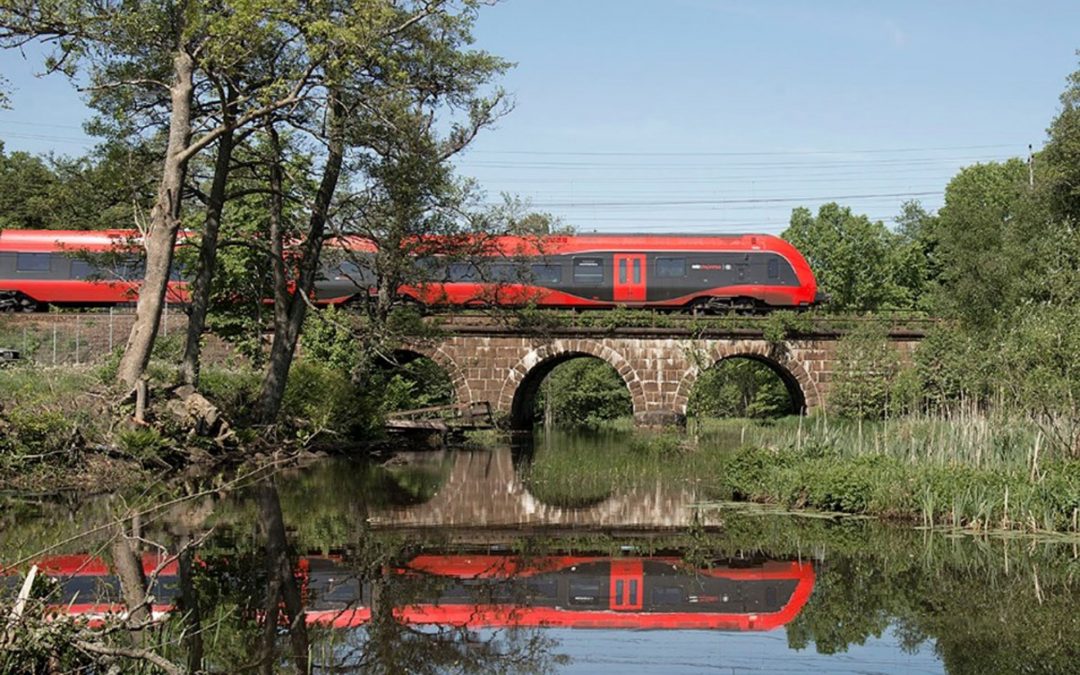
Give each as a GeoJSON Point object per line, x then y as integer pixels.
{"type": "Point", "coordinates": [759, 153]}
{"type": "Point", "coordinates": [25, 123]}
{"type": "Point", "coordinates": [800, 165]}
{"type": "Point", "coordinates": [717, 202]}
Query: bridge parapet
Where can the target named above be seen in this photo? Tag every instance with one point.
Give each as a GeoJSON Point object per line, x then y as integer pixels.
{"type": "Point", "coordinates": [505, 364]}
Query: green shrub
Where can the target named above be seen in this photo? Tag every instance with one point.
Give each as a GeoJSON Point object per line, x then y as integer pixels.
{"type": "Point", "coordinates": [420, 383]}
{"type": "Point", "coordinates": [658, 444]}
{"type": "Point", "coordinates": [866, 365]}
{"type": "Point", "coordinates": [141, 442]}
{"type": "Point", "coordinates": [234, 390]}
{"type": "Point", "coordinates": [323, 399]}
{"type": "Point", "coordinates": [34, 432]}
{"type": "Point", "coordinates": [329, 337]}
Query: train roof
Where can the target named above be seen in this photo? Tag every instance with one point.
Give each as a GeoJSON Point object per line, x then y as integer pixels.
{"type": "Point", "coordinates": [45, 241]}
{"type": "Point", "coordinates": [553, 244]}
{"type": "Point", "coordinates": [556, 244]}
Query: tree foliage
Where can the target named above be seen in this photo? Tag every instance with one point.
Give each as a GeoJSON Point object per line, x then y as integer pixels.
{"type": "Point", "coordinates": [857, 262]}
{"type": "Point", "coordinates": [583, 392]}
{"type": "Point", "coordinates": [865, 374]}
{"type": "Point", "coordinates": [739, 387]}
{"type": "Point", "coordinates": [107, 188]}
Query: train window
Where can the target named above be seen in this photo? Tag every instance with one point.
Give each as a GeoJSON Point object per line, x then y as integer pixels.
{"type": "Point", "coordinates": [349, 270]}
{"type": "Point", "coordinates": [547, 274]}
{"type": "Point", "coordinates": [585, 592]}
{"type": "Point", "coordinates": [431, 269]}
{"type": "Point", "coordinates": [503, 272]}
{"type": "Point", "coordinates": [670, 268]}
{"type": "Point", "coordinates": [80, 269]}
{"type": "Point", "coordinates": [127, 269]}
{"type": "Point", "coordinates": [667, 596]}
{"type": "Point", "coordinates": [33, 262]}
{"type": "Point", "coordinates": [588, 270]}
{"type": "Point", "coordinates": [463, 272]}
{"type": "Point", "coordinates": [542, 589]}
{"type": "Point", "coordinates": [774, 268]}
{"type": "Point", "coordinates": [637, 270]}
{"type": "Point", "coordinates": [622, 271]}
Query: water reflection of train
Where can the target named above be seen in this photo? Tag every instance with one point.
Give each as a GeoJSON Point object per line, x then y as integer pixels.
{"type": "Point", "coordinates": [479, 591]}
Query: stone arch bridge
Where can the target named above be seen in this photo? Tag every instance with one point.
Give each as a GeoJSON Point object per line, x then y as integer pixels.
{"type": "Point", "coordinates": [504, 365]}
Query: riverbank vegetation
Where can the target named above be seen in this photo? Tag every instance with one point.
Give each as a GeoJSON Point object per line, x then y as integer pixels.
{"type": "Point", "coordinates": [971, 473]}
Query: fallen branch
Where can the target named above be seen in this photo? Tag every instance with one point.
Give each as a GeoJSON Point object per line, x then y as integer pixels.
{"type": "Point", "coordinates": [130, 653]}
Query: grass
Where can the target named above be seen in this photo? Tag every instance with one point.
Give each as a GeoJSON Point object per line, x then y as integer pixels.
{"type": "Point", "coordinates": [968, 439]}
{"type": "Point", "coordinates": [965, 472]}
{"type": "Point", "coordinates": [51, 420]}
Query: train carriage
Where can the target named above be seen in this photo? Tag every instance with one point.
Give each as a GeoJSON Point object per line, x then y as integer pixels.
{"type": "Point", "coordinates": [601, 271]}
{"type": "Point", "coordinates": [593, 271]}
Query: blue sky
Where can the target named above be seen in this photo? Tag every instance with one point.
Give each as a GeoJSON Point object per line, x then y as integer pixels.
{"type": "Point", "coordinates": [721, 116]}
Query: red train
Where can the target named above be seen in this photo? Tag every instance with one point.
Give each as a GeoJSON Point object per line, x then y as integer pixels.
{"type": "Point", "coordinates": [751, 271]}
{"type": "Point", "coordinates": [486, 591]}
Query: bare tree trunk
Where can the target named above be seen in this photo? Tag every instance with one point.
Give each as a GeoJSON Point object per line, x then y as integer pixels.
{"type": "Point", "coordinates": [281, 583]}
{"type": "Point", "coordinates": [290, 310]}
{"type": "Point", "coordinates": [191, 608]}
{"type": "Point", "coordinates": [204, 278]}
{"type": "Point", "coordinates": [164, 225]}
{"type": "Point", "coordinates": [129, 571]}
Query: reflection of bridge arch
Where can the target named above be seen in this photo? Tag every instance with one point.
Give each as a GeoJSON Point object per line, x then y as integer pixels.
{"type": "Point", "coordinates": [522, 384]}
{"type": "Point", "coordinates": [484, 489]}
{"type": "Point", "coordinates": [800, 386]}
{"type": "Point", "coordinates": [462, 391]}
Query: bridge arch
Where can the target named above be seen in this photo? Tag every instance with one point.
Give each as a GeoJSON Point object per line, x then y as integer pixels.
{"type": "Point", "coordinates": [462, 389]}
{"type": "Point", "coordinates": [802, 388]}
{"type": "Point", "coordinates": [521, 386]}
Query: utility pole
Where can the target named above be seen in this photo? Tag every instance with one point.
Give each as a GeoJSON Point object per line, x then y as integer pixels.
{"type": "Point", "coordinates": [1031, 168]}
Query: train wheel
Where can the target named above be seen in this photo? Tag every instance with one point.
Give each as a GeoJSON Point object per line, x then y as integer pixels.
{"type": "Point", "coordinates": [17, 302]}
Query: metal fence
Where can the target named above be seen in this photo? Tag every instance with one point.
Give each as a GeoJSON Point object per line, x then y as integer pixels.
{"type": "Point", "coordinates": [83, 338]}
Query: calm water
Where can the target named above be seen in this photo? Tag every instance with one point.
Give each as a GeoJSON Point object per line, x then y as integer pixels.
{"type": "Point", "coordinates": [493, 561]}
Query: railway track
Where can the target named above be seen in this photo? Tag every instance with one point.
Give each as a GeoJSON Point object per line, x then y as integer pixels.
{"type": "Point", "coordinates": [559, 318]}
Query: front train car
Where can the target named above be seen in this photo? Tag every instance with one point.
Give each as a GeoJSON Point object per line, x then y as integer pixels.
{"type": "Point", "coordinates": [751, 272]}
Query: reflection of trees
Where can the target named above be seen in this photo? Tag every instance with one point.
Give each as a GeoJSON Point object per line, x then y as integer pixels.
{"type": "Point", "coordinates": [392, 646]}
{"type": "Point", "coordinates": [282, 589]}
{"type": "Point", "coordinates": [251, 602]}
{"type": "Point", "coordinates": [985, 612]}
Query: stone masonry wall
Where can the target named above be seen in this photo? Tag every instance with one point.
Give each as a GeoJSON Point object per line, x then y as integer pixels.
{"type": "Point", "coordinates": [659, 371]}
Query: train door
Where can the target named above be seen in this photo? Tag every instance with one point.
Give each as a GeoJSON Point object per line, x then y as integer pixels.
{"type": "Point", "coordinates": [627, 581]}
{"type": "Point", "coordinates": [630, 277]}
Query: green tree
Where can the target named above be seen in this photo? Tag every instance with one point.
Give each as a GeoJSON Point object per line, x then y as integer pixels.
{"type": "Point", "coordinates": [1059, 162]}
{"type": "Point", "coordinates": [866, 371]}
{"type": "Point", "coordinates": [854, 259]}
{"type": "Point", "coordinates": [981, 242]}
{"type": "Point", "coordinates": [146, 61]}
{"type": "Point", "coordinates": [583, 392]}
{"type": "Point", "coordinates": [26, 183]}
{"type": "Point", "coordinates": [391, 130]}
{"type": "Point", "coordinates": [106, 188]}
{"type": "Point", "coordinates": [739, 387]}
{"type": "Point", "coordinates": [914, 259]}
